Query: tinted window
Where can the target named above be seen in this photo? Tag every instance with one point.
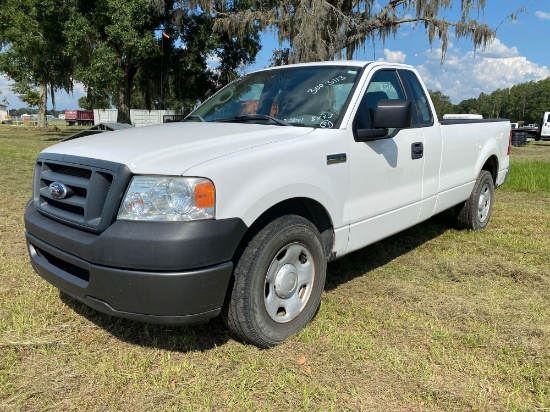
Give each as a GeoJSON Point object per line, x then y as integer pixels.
{"type": "Point", "coordinates": [384, 84]}
{"type": "Point", "coordinates": [420, 101]}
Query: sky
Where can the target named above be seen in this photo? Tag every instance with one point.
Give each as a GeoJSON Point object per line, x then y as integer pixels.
{"type": "Point", "coordinates": [518, 54]}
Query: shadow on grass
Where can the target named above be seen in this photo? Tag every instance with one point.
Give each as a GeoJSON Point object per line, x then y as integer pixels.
{"type": "Point", "coordinates": [383, 252]}
{"type": "Point", "coordinates": [56, 136]}
{"type": "Point", "coordinates": [200, 337]}
{"type": "Point", "coordinates": [214, 333]}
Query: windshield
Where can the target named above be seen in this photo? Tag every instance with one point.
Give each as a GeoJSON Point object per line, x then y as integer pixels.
{"type": "Point", "coordinates": [312, 96]}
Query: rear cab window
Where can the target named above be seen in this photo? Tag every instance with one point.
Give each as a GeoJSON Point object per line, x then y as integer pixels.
{"type": "Point", "coordinates": [421, 107]}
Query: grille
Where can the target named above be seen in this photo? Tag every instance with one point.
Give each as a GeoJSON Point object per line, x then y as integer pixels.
{"type": "Point", "coordinates": [70, 170]}
{"type": "Point", "coordinates": [89, 202]}
{"type": "Point", "coordinates": [77, 210]}
{"type": "Point", "coordinates": [63, 265]}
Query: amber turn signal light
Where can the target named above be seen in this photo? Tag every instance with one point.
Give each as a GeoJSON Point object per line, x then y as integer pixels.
{"type": "Point", "coordinates": [205, 195]}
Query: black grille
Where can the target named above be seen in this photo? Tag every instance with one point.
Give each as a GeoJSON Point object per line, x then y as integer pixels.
{"type": "Point", "coordinates": [63, 265]}
{"type": "Point", "coordinates": [90, 202]}
{"type": "Point", "coordinates": [68, 208]}
{"type": "Point", "coordinates": [70, 170]}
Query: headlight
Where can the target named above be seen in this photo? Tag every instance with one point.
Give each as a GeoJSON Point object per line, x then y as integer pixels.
{"type": "Point", "coordinates": [166, 198]}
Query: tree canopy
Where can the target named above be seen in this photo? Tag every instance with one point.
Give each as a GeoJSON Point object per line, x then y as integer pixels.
{"type": "Point", "coordinates": [123, 51]}
{"type": "Point", "coordinates": [34, 50]}
{"type": "Point", "coordinates": [325, 29]}
{"type": "Point", "coordinates": [112, 40]}
{"type": "Point", "coordinates": [136, 54]}
{"type": "Point", "coordinates": [442, 103]}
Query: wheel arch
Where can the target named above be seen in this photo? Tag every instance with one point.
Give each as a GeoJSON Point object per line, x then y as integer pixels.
{"type": "Point", "coordinates": [307, 208]}
{"type": "Point", "coordinates": [491, 166]}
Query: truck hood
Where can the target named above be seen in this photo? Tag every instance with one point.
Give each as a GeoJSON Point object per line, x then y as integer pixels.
{"type": "Point", "coordinates": [171, 149]}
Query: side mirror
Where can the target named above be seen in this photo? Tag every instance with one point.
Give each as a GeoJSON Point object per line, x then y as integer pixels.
{"type": "Point", "coordinates": [364, 135]}
{"type": "Point", "coordinates": [389, 114]}
{"type": "Point", "coordinates": [393, 114]}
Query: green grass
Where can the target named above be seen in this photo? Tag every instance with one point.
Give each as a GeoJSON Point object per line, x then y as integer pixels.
{"type": "Point", "coordinates": [430, 319]}
{"type": "Point", "coordinates": [529, 176]}
{"type": "Point", "coordinates": [529, 168]}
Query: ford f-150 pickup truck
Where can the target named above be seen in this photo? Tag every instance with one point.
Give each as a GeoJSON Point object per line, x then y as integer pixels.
{"type": "Point", "coordinates": [238, 209]}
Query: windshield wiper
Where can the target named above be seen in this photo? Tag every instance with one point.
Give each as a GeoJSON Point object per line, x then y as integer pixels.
{"type": "Point", "coordinates": [246, 117]}
{"type": "Point", "coordinates": [194, 118]}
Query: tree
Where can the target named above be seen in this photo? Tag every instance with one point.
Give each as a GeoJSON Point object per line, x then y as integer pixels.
{"type": "Point", "coordinates": [112, 40]}
{"type": "Point", "coordinates": [442, 103]}
{"type": "Point", "coordinates": [34, 51]}
{"type": "Point", "coordinates": [203, 44]}
{"type": "Point", "coordinates": [467, 106]}
{"type": "Point", "coordinates": [27, 94]}
{"type": "Point", "coordinates": [83, 103]}
{"type": "Point", "coordinates": [326, 29]}
{"type": "Point", "coordinates": [130, 52]}
{"type": "Point", "coordinates": [523, 102]}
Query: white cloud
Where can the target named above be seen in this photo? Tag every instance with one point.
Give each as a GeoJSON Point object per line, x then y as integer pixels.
{"type": "Point", "coordinates": [543, 15]}
{"type": "Point", "coordinates": [393, 56]}
{"type": "Point", "coordinates": [466, 75]}
{"type": "Point", "coordinates": [498, 49]}
{"type": "Point", "coordinates": [213, 61]}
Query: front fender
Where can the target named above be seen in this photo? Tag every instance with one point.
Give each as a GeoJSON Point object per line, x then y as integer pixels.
{"type": "Point", "coordinates": [250, 182]}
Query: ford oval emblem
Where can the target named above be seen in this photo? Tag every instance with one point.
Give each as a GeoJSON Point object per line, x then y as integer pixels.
{"type": "Point", "coordinates": [58, 190]}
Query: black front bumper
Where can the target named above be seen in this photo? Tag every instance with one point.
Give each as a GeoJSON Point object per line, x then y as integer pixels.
{"type": "Point", "coordinates": [173, 273]}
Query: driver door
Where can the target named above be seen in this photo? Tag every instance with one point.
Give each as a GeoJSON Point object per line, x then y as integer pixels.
{"type": "Point", "coordinates": [385, 180]}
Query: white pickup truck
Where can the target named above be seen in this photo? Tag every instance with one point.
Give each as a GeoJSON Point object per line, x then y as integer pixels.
{"type": "Point", "coordinates": [238, 209]}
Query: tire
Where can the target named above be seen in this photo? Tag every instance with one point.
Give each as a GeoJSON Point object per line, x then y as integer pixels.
{"type": "Point", "coordinates": [474, 213]}
{"type": "Point", "coordinates": [278, 282]}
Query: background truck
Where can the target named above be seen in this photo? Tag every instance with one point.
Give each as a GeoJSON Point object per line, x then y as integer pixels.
{"type": "Point", "coordinates": [79, 117]}
{"type": "Point", "coordinates": [544, 126]}
{"type": "Point", "coordinates": [238, 210]}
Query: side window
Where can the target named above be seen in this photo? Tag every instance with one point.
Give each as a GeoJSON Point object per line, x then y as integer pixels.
{"type": "Point", "coordinates": [420, 101]}
{"type": "Point", "coordinates": [384, 84]}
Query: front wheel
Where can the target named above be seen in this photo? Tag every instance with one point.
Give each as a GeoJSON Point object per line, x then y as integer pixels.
{"type": "Point", "coordinates": [278, 283]}
{"type": "Point", "coordinates": [475, 212]}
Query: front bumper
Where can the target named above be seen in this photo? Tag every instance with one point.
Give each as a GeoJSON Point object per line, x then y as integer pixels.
{"type": "Point", "coordinates": [130, 271]}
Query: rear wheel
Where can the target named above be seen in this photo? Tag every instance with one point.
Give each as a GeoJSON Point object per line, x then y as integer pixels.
{"type": "Point", "coordinates": [278, 283]}
{"type": "Point", "coordinates": [474, 213]}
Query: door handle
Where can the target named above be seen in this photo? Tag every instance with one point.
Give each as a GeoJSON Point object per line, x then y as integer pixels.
{"type": "Point", "coordinates": [417, 150]}
{"type": "Point", "coordinates": [333, 159]}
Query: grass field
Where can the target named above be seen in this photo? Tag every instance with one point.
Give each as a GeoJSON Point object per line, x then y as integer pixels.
{"type": "Point", "coordinates": [430, 319]}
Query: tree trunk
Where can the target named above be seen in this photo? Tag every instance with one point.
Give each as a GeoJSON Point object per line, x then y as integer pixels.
{"type": "Point", "coordinates": [123, 115]}
{"type": "Point", "coordinates": [42, 105]}
{"type": "Point", "coordinates": [125, 95]}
